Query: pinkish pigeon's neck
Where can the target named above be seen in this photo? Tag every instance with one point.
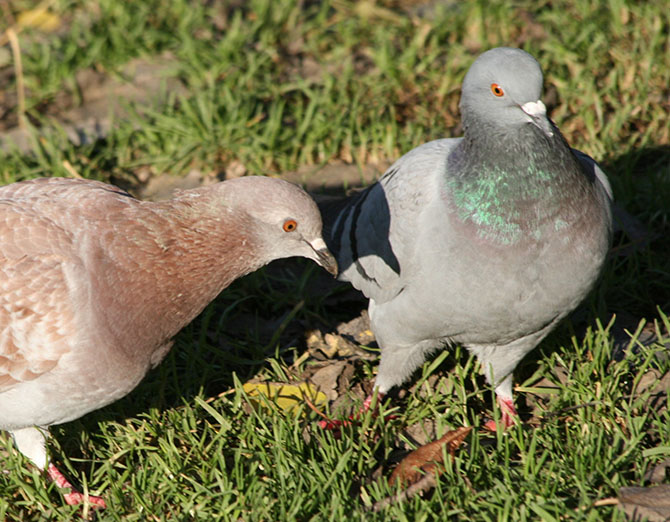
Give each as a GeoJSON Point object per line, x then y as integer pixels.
{"type": "Point", "coordinates": [167, 265]}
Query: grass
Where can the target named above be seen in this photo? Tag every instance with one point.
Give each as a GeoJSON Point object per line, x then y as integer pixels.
{"type": "Point", "coordinates": [279, 85]}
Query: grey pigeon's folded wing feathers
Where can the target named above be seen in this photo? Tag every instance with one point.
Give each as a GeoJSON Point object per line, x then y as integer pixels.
{"type": "Point", "coordinates": [369, 239]}
{"type": "Point", "coordinates": [359, 230]}
{"type": "Point", "coordinates": [351, 230]}
{"type": "Point", "coordinates": [370, 262]}
{"type": "Point", "coordinates": [34, 189]}
{"type": "Point", "coordinates": [592, 168]}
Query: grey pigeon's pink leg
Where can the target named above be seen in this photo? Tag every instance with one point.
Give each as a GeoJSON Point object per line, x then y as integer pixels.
{"type": "Point", "coordinates": [74, 497]}
{"type": "Point", "coordinates": [508, 414]}
{"type": "Point", "coordinates": [368, 402]}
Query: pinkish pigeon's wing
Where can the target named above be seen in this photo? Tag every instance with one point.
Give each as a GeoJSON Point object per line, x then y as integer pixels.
{"type": "Point", "coordinates": [36, 316]}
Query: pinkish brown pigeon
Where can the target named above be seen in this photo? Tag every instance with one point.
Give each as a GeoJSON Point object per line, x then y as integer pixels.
{"type": "Point", "coordinates": [94, 284]}
{"type": "Point", "coordinates": [487, 241]}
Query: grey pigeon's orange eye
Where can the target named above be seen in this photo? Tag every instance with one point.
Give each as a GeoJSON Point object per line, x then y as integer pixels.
{"type": "Point", "coordinates": [497, 89]}
{"type": "Point", "coordinates": [290, 225]}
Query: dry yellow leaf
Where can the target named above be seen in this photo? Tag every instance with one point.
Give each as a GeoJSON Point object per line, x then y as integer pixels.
{"type": "Point", "coordinates": [39, 18]}
{"type": "Point", "coordinates": [286, 396]}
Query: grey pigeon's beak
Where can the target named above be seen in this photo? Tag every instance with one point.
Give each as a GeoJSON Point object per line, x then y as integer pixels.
{"type": "Point", "coordinates": [323, 256]}
{"type": "Point", "coordinates": [537, 114]}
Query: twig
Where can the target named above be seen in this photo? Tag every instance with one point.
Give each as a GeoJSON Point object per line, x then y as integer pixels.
{"type": "Point", "coordinates": [611, 501]}
{"type": "Point", "coordinates": [18, 68]}
{"type": "Point", "coordinates": [426, 483]}
{"type": "Point", "coordinates": [314, 408]}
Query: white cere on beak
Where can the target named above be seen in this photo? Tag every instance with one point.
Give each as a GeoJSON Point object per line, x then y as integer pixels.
{"type": "Point", "coordinates": [537, 115]}
{"type": "Point", "coordinates": [534, 109]}
{"type": "Point", "coordinates": [318, 244]}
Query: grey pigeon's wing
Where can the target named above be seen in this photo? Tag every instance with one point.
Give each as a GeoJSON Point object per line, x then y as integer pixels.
{"type": "Point", "coordinates": [593, 169]}
{"type": "Point", "coordinates": [36, 317]}
{"type": "Point", "coordinates": [374, 236]}
{"type": "Point", "coordinates": [360, 238]}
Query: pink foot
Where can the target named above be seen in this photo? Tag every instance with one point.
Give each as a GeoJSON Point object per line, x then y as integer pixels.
{"type": "Point", "coordinates": [508, 414]}
{"type": "Point", "coordinates": [334, 424]}
{"type": "Point", "coordinates": [74, 497]}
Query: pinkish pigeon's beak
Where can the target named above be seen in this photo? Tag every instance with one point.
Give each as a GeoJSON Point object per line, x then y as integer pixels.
{"type": "Point", "coordinates": [323, 256]}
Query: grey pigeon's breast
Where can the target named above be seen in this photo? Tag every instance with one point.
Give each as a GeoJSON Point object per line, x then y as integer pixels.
{"type": "Point", "coordinates": [473, 288]}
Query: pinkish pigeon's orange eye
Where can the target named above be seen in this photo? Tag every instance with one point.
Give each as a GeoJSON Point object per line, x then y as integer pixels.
{"type": "Point", "coordinates": [497, 89]}
{"type": "Point", "coordinates": [290, 225]}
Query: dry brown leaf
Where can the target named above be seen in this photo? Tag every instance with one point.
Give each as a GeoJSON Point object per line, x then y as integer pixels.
{"type": "Point", "coordinates": [343, 343]}
{"type": "Point", "coordinates": [652, 504]}
{"type": "Point", "coordinates": [358, 328]}
{"type": "Point", "coordinates": [418, 434]}
{"type": "Point", "coordinates": [331, 345]}
{"type": "Point", "coordinates": [656, 475]}
{"type": "Point", "coordinates": [426, 459]}
{"type": "Point", "coordinates": [334, 379]}
{"type": "Point", "coordinates": [629, 332]}
{"type": "Point", "coordinates": [340, 346]}
{"type": "Point", "coordinates": [315, 343]}
{"type": "Point", "coordinates": [657, 385]}
{"type": "Point", "coordinates": [325, 379]}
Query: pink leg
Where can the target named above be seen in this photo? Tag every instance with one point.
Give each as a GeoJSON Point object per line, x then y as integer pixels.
{"type": "Point", "coordinates": [508, 414]}
{"type": "Point", "coordinates": [333, 424]}
{"type": "Point", "coordinates": [368, 402]}
{"type": "Point", "coordinates": [74, 497]}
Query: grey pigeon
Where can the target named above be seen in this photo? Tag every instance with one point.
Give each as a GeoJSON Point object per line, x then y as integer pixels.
{"type": "Point", "coordinates": [94, 284]}
{"type": "Point", "coordinates": [487, 241]}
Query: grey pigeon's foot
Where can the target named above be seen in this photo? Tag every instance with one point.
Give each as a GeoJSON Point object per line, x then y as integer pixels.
{"type": "Point", "coordinates": [74, 497]}
{"type": "Point", "coordinates": [508, 415]}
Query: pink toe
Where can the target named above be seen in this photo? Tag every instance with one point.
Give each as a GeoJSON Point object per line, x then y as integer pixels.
{"type": "Point", "coordinates": [74, 497]}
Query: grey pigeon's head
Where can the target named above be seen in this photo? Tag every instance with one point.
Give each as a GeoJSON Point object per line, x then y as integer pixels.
{"type": "Point", "coordinates": [503, 89]}
{"type": "Point", "coordinates": [284, 218]}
